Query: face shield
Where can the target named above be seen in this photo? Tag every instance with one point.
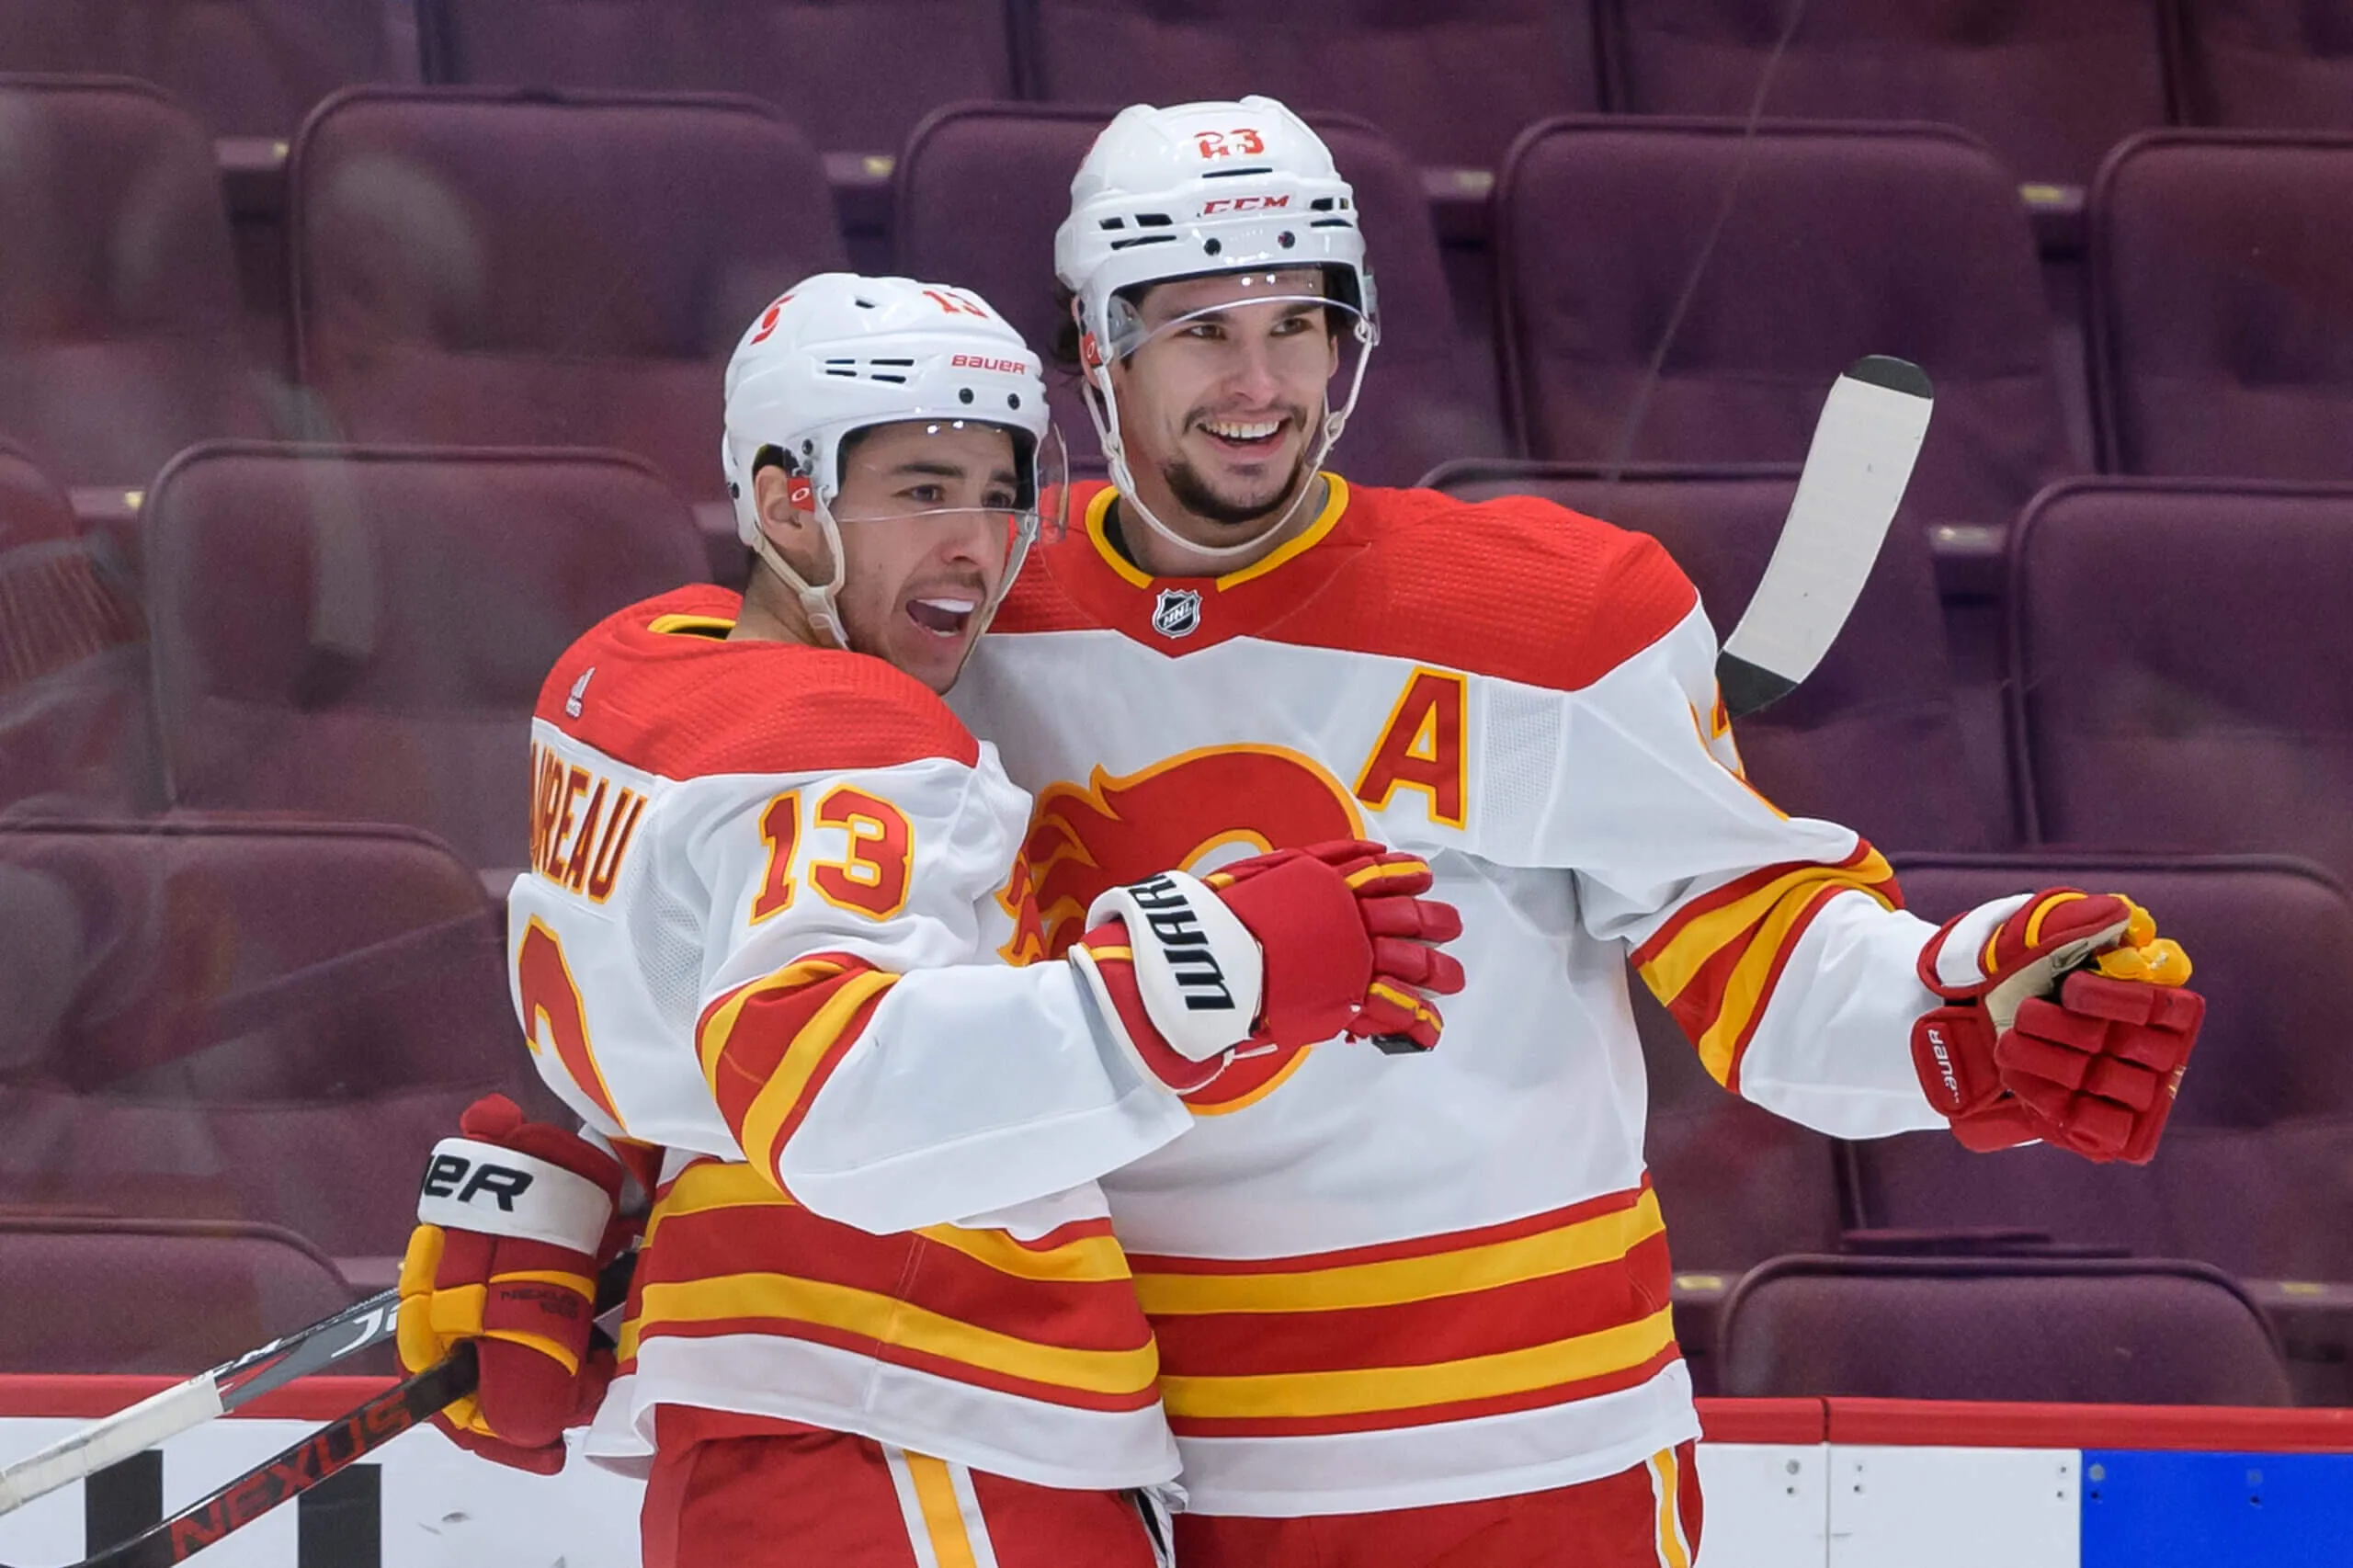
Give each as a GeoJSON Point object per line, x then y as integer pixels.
{"type": "Point", "coordinates": [954, 479]}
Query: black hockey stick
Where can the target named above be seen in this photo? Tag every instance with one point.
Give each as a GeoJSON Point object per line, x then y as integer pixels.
{"type": "Point", "coordinates": [295, 1470]}
{"type": "Point", "coordinates": [235, 1382]}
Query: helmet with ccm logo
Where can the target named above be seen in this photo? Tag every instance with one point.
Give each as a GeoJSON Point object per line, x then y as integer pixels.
{"type": "Point", "coordinates": [1200, 188]}
{"type": "Point", "coordinates": [840, 353]}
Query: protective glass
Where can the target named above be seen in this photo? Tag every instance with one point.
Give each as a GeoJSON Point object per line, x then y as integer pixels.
{"type": "Point", "coordinates": [934, 472]}
{"type": "Point", "coordinates": [1261, 317]}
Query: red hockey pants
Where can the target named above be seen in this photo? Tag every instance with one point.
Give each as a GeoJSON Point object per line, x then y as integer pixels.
{"type": "Point", "coordinates": [826, 1500]}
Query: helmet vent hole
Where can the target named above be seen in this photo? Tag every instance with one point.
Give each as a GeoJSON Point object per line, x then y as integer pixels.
{"type": "Point", "coordinates": [894, 381]}
{"type": "Point", "coordinates": [1286, 239]}
{"type": "Point", "coordinates": [1154, 221]}
{"type": "Point", "coordinates": [1234, 174]}
{"type": "Point", "coordinates": [1013, 400]}
{"type": "Point", "coordinates": [1143, 240]}
{"type": "Point", "coordinates": [1321, 204]}
{"type": "Point", "coordinates": [1212, 248]}
{"type": "Point", "coordinates": [1113, 223]}
{"type": "Point", "coordinates": [865, 305]}
{"type": "Point", "coordinates": [965, 395]}
{"type": "Point", "coordinates": [1328, 224]}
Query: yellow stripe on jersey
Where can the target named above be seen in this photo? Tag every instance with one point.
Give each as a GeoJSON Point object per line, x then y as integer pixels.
{"type": "Point", "coordinates": [890, 1320]}
{"type": "Point", "coordinates": [1395, 1281]}
{"type": "Point", "coordinates": [780, 1096]}
{"type": "Point", "coordinates": [719, 1026]}
{"type": "Point", "coordinates": [1745, 993]}
{"type": "Point", "coordinates": [1706, 935]}
{"type": "Point", "coordinates": [1367, 1389]}
{"type": "Point", "coordinates": [714, 1187]}
{"type": "Point", "coordinates": [943, 1514]}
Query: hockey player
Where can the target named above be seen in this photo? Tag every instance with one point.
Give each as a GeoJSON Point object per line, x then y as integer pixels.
{"type": "Point", "coordinates": [773, 883]}
{"type": "Point", "coordinates": [1416, 1312]}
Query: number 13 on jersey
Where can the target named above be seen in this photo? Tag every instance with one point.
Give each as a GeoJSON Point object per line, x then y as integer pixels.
{"type": "Point", "coordinates": [869, 876]}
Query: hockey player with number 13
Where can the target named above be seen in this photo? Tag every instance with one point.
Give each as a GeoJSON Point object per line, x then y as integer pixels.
{"type": "Point", "coordinates": [879, 1318]}
{"type": "Point", "coordinates": [1415, 1312]}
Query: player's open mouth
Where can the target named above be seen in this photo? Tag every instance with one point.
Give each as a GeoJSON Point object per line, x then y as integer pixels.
{"type": "Point", "coordinates": [1244, 437]}
{"type": "Point", "coordinates": [943, 614]}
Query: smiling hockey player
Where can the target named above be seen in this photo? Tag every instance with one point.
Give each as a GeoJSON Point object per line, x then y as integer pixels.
{"type": "Point", "coordinates": [1416, 1312]}
{"type": "Point", "coordinates": [773, 886]}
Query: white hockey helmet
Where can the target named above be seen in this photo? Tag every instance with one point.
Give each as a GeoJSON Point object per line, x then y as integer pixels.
{"type": "Point", "coordinates": [839, 353]}
{"type": "Point", "coordinates": [1195, 189]}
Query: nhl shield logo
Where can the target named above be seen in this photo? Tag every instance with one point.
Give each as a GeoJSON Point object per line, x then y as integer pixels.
{"type": "Point", "coordinates": [1177, 613]}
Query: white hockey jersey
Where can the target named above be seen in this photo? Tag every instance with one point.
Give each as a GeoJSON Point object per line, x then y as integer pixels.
{"type": "Point", "coordinates": [766, 927]}
{"type": "Point", "coordinates": [1383, 1281]}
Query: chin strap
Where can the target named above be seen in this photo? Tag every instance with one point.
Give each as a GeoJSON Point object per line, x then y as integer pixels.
{"type": "Point", "coordinates": [1103, 408]}
{"type": "Point", "coordinates": [816, 603]}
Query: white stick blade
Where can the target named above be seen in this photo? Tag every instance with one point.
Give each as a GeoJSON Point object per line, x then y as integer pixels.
{"type": "Point", "coordinates": [1855, 473]}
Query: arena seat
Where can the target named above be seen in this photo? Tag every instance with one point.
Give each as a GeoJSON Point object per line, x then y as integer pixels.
{"type": "Point", "coordinates": [2050, 89]}
{"type": "Point", "coordinates": [246, 67]}
{"type": "Point", "coordinates": [1835, 241]}
{"type": "Point", "coordinates": [1451, 82]}
{"type": "Point", "coordinates": [2266, 63]}
{"type": "Point", "coordinates": [73, 727]}
{"type": "Point", "coordinates": [1871, 739]}
{"type": "Point", "coordinates": [153, 1295]}
{"type": "Point", "coordinates": [361, 636]}
{"type": "Point", "coordinates": [981, 187]}
{"type": "Point", "coordinates": [2220, 320]}
{"type": "Point", "coordinates": [854, 74]}
{"type": "Point", "coordinates": [2256, 1173]}
{"type": "Point", "coordinates": [2078, 1331]}
{"type": "Point", "coordinates": [119, 327]}
{"type": "Point", "coordinates": [250, 1021]}
{"type": "Point", "coordinates": [2197, 709]}
{"type": "Point", "coordinates": [476, 266]}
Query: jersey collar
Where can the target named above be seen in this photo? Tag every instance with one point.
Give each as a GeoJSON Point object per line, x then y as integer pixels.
{"type": "Point", "coordinates": [1181, 615]}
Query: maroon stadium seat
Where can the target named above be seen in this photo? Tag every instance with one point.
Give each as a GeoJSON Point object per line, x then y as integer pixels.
{"type": "Point", "coordinates": [74, 730]}
{"type": "Point", "coordinates": [2222, 305]}
{"type": "Point", "coordinates": [361, 635]}
{"type": "Point", "coordinates": [119, 333]}
{"type": "Point", "coordinates": [272, 1022]}
{"type": "Point", "coordinates": [1451, 82]}
{"type": "Point", "coordinates": [1871, 739]}
{"type": "Point", "coordinates": [1835, 241]}
{"type": "Point", "coordinates": [2201, 707]}
{"type": "Point", "coordinates": [854, 74]}
{"type": "Point", "coordinates": [981, 188]}
{"type": "Point", "coordinates": [247, 67]}
{"type": "Point", "coordinates": [2256, 1173]}
{"type": "Point", "coordinates": [2050, 89]}
{"type": "Point", "coordinates": [2266, 63]}
{"type": "Point", "coordinates": [477, 266]}
{"type": "Point", "coordinates": [2096, 1331]}
{"type": "Point", "coordinates": [153, 1295]}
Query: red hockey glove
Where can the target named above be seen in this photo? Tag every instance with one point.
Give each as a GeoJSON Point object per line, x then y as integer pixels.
{"type": "Point", "coordinates": [1289, 949]}
{"type": "Point", "coordinates": [513, 1221]}
{"type": "Point", "coordinates": [2033, 1045]}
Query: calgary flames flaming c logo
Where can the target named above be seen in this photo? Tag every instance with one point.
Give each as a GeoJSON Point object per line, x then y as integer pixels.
{"type": "Point", "coordinates": [1180, 813]}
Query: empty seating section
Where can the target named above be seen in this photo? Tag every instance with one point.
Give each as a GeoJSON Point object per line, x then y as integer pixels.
{"type": "Point", "coordinates": [2094, 1332]}
{"type": "Point", "coordinates": [853, 77]}
{"type": "Point", "coordinates": [2266, 63]}
{"type": "Point", "coordinates": [73, 732]}
{"type": "Point", "coordinates": [983, 190]}
{"type": "Point", "coordinates": [2050, 88]}
{"type": "Point", "coordinates": [264, 708]}
{"type": "Point", "coordinates": [270, 1022]}
{"type": "Point", "coordinates": [362, 636]}
{"type": "Point", "coordinates": [119, 315]}
{"type": "Point", "coordinates": [2222, 321]}
{"type": "Point", "coordinates": [247, 67]}
{"type": "Point", "coordinates": [90, 1295]}
{"type": "Point", "coordinates": [1431, 76]}
{"type": "Point", "coordinates": [497, 267]}
{"type": "Point", "coordinates": [1676, 291]}
{"type": "Point", "coordinates": [2203, 707]}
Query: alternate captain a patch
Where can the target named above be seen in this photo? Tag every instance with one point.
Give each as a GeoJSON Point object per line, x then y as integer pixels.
{"type": "Point", "coordinates": [1179, 613]}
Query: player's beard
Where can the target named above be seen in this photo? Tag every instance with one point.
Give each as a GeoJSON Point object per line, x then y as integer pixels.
{"type": "Point", "coordinates": [1193, 492]}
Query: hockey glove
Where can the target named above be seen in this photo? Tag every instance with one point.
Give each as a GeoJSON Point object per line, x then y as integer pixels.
{"type": "Point", "coordinates": [1284, 950]}
{"type": "Point", "coordinates": [513, 1221]}
{"type": "Point", "coordinates": [2032, 1044]}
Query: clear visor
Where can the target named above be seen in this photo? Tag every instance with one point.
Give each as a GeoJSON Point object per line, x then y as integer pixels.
{"type": "Point", "coordinates": [958, 476]}
{"type": "Point", "coordinates": [1258, 326]}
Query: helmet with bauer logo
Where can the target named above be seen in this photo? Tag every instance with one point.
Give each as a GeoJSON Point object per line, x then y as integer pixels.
{"type": "Point", "coordinates": [839, 354]}
{"type": "Point", "coordinates": [1195, 189]}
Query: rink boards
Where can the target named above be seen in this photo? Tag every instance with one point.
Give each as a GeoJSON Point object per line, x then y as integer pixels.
{"type": "Point", "coordinates": [1790, 1483]}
